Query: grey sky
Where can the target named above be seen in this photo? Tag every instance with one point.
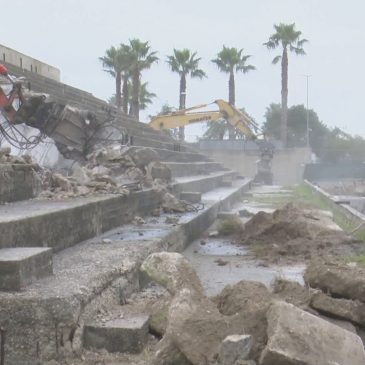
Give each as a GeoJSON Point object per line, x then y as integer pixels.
{"type": "Point", "coordinates": [72, 34]}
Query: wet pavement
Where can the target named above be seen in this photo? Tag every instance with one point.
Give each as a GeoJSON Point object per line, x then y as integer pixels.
{"type": "Point", "coordinates": [219, 262]}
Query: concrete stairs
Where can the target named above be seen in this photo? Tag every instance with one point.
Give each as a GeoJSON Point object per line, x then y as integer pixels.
{"type": "Point", "coordinates": [98, 273]}
{"type": "Point", "coordinates": [67, 259]}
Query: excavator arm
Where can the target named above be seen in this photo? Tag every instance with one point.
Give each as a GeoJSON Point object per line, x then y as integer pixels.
{"type": "Point", "coordinates": [235, 117]}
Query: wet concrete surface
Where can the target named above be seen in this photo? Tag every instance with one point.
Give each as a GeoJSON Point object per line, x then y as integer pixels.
{"type": "Point", "coordinates": [238, 265]}
{"type": "Point", "coordinates": [219, 262]}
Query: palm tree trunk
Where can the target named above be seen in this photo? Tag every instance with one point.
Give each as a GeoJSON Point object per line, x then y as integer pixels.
{"type": "Point", "coordinates": [125, 94]}
{"type": "Point", "coordinates": [232, 101]}
{"type": "Point", "coordinates": [284, 98]}
{"type": "Point", "coordinates": [118, 94]}
{"type": "Point", "coordinates": [182, 103]}
{"type": "Point", "coordinates": [231, 89]}
{"type": "Point", "coordinates": [135, 94]}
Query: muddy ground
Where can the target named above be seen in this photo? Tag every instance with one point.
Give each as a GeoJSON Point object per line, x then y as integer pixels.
{"type": "Point", "coordinates": [296, 233]}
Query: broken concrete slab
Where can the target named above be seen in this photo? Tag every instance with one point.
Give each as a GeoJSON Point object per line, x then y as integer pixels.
{"type": "Point", "coordinates": [235, 348]}
{"type": "Point", "coordinates": [171, 270]}
{"type": "Point", "coordinates": [337, 278]}
{"type": "Point", "coordinates": [21, 266]}
{"type": "Point", "coordinates": [196, 327]}
{"type": "Point", "coordinates": [119, 335]}
{"type": "Point", "coordinates": [250, 300]}
{"type": "Point", "coordinates": [297, 337]}
{"type": "Point", "coordinates": [347, 309]}
{"type": "Point", "coordinates": [193, 197]}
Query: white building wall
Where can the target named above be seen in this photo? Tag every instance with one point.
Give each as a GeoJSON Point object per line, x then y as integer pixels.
{"type": "Point", "coordinates": [28, 63]}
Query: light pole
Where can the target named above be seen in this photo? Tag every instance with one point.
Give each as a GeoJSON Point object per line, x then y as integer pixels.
{"type": "Point", "coordinates": [307, 77]}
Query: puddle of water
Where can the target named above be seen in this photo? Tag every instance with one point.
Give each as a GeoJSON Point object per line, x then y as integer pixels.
{"type": "Point", "coordinates": [238, 266]}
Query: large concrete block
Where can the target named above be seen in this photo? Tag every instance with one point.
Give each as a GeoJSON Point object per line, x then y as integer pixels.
{"type": "Point", "coordinates": [347, 309]}
{"type": "Point", "coordinates": [297, 337]}
{"type": "Point", "coordinates": [22, 265]}
{"type": "Point", "coordinates": [119, 335]}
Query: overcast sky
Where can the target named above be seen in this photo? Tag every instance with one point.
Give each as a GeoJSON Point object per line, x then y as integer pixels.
{"type": "Point", "coordinates": [72, 34]}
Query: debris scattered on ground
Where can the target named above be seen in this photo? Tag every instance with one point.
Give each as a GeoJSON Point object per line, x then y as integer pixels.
{"type": "Point", "coordinates": [296, 234]}
{"type": "Point", "coordinates": [114, 169]}
{"type": "Point", "coordinates": [171, 204]}
{"type": "Point", "coordinates": [221, 262]}
{"type": "Point", "coordinates": [246, 315]}
{"type": "Point", "coordinates": [7, 158]}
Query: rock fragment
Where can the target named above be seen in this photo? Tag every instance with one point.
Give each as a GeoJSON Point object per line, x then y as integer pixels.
{"type": "Point", "coordinates": [297, 337]}
{"type": "Point", "coordinates": [171, 270]}
{"type": "Point", "coordinates": [235, 348]}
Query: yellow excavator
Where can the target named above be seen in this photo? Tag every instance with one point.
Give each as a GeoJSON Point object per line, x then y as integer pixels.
{"type": "Point", "coordinates": [235, 117]}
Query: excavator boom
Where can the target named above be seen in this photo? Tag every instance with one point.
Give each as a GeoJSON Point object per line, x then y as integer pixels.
{"type": "Point", "coordinates": [235, 117]}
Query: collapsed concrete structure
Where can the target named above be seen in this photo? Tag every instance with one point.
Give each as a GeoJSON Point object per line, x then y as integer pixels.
{"type": "Point", "coordinates": [70, 252]}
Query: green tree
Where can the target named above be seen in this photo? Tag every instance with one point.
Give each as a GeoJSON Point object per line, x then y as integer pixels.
{"type": "Point", "coordinates": [116, 62]}
{"type": "Point", "coordinates": [289, 39]}
{"type": "Point", "coordinates": [142, 58]}
{"type": "Point", "coordinates": [297, 127]}
{"type": "Point", "coordinates": [185, 63]}
{"type": "Point", "coordinates": [231, 61]}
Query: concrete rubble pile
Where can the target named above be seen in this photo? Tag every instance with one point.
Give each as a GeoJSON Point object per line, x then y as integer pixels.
{"type": "Point", "coordinates": [296, 233]}
{"type": "Point", "coordinates": [7, 158]}
{"type": "Point", "coordinates": [247, 323]}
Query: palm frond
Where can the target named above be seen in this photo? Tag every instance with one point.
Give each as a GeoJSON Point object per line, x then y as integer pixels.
{"type": "Point", "coordinates": [276, 59]}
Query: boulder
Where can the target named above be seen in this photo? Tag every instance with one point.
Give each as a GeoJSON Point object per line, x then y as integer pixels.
{"type": "Point", "coordinates": [171, 270]}
{"type": "Point", "coordinates": [196, 327]}
{"type": "Point", "coordinates": [235, 348]}
{"type": "Point", "coordinates": [60, 181]}
{"type": "Point", "coordinates": [251, 300]}
{"type": "Point", "coordinates": [158, 319]}
{"type": "Point", "coordinates": [338, 278]}
{"type": "Point", "coordinates": [350, 310]}
{"type": "Point", "coordinates": [297, 337]}
{"type": "Point", "coordinates": [171, 204]}
{"type": "Point", "coordinates": [293, 292]}
{"type": "Point", "coordinates": [168, 354]}
{"type": "Point", "coordinates": [142, 157]}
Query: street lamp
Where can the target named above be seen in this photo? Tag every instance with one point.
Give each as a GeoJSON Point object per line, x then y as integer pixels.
{"type": "Point", "coordinates": [307, 77]}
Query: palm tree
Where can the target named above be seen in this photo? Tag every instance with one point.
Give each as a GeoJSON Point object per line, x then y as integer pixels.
{"type": "Point", "coordinates": [116, 62]}
{"type": "Point", "coordinates": [142, 59]}
{"type": "Point", "coordinates": [145, 96]}
{"type": "Point", "coordinates": [112, 65]}
{"type": "Point", "coordinates": [230, 61]}
{"type": "Point", "coordinates": [288, 38]}
{"type": "Point", "coordinates": [185, 63]}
